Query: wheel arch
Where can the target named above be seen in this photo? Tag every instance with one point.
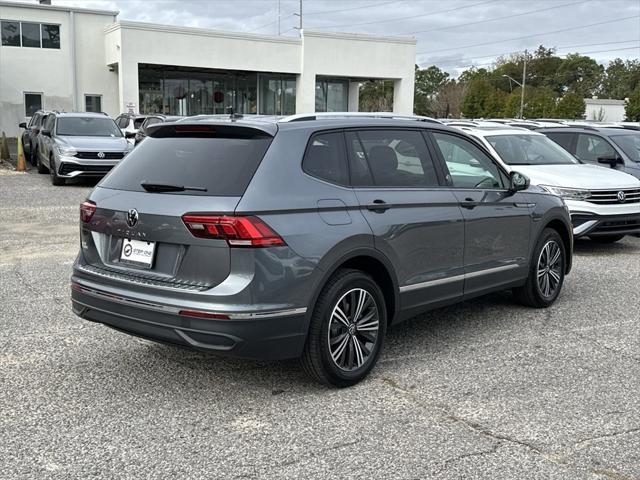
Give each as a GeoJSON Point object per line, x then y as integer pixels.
{"type": "Point", "coordinates": [567, 238]}
{"type": "Point", "coordinates": [374, 264]}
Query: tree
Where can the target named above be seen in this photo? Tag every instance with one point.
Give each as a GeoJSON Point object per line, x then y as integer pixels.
{"type": "Point", "coordinates": [632, 106]}
{"type": "Point", "coordinates": [620, 79]}
{"type": "Point", "coordinates": [580, 74]}
{"type": "Point", "coordinates": [427, 83]}
{"type": "Point", "coordinates": [571, 106]}
{"type": "Point", "coordinates": [376, 96]}
{"type": "Point", "coordinates": [483, 100]}
{"type": "Point", "coordinates": [447, 102]}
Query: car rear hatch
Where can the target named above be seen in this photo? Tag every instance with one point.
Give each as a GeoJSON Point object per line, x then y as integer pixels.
{"type": "Point", "coordinates": [157, 218]}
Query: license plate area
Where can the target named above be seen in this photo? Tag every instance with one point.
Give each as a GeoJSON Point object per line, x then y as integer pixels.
{"type": "Point", "coordinates": [137, 252]}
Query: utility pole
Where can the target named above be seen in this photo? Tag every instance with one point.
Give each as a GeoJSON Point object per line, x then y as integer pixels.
{"type": "Point", "coordinates": [524, 82]}
{"type": "Point", "coordinates": [299, 27]}
{"type": "Point", "coordinates": [279, 17]}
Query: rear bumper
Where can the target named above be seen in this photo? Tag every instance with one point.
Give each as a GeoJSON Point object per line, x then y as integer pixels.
{"type": "Point", "coordinates": [267, 335]}
{"type": "Point", "coordinates": [590, 224]}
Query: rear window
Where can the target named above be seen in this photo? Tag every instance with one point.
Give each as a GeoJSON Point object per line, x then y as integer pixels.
{"type": "Point", "coordinates": [223, 166]}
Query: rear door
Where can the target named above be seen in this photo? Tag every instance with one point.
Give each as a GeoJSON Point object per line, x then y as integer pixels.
{"type": "Point", "coordinates": [416, 221]}
{"type": "Point", "coordinates": [497, 223]}
{"type": "Point", "coordinates": [140, 232]}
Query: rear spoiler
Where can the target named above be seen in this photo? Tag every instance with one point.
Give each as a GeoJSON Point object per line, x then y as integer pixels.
{"type": "Point", "coordinates": [211, 129]}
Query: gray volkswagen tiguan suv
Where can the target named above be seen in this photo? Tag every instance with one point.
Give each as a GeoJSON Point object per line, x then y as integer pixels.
{"type": "Point", "coordinates": [307, 236]}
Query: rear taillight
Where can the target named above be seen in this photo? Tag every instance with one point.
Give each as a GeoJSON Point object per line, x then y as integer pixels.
{"type": "Point", "coordinates": [237, 231]}
{"type": "Point", "coordinates": [87, 209]}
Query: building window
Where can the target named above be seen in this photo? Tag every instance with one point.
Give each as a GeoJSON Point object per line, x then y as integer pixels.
{"type": "Point", "coordinates": [28, 34]}
{"type": "Point", "coordinates": [332, 94]}
{"type": "Point", "coordinates": [10, 34]}
{"type": "Point", "coordinates": [93, 103]}
{"type": "Point", "coordinates": [32, 103]}
{"type": "Point", "coordinates": [277, 94]}
{"type": "Point", "coordinates": [50, 36]}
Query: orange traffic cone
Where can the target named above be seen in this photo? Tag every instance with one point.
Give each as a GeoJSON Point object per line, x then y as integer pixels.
{"type": "Point", "coordinates": [21, 165]}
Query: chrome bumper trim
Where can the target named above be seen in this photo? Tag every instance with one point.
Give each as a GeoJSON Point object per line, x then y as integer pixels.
{"type": "Point", "coordinates": [456, 278]}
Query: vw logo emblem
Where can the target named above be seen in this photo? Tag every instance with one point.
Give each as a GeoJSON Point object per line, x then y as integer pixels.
{"type": "Point", "coordinates": [132, 217]}
{"type": "Point", "coordinates": [100, 154]}
{"type": "Point", "coordinates": [622, 196]}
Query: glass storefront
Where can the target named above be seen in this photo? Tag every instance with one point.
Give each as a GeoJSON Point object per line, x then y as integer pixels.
{"type": "Point", "coordinates": [190, 91]}
{"type": "Point", "coordinates": [332, 94]}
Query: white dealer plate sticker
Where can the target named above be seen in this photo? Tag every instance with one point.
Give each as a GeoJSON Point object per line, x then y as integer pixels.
{"type": "Point", "coordinates": [137, 252]}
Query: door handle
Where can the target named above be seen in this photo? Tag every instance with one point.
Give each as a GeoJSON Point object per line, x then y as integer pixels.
{"type": "Point", "coordinates": [378, 206]}
{"type": "Point", "coordinates": [469, 203]}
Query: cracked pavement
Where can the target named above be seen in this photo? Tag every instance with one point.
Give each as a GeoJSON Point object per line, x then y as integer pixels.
{"type": "Point", "coordinates": [482, 390]}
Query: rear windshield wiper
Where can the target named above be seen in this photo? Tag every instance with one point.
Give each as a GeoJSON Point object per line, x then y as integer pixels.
{"type": "Point", "coordinates": [164, 187]}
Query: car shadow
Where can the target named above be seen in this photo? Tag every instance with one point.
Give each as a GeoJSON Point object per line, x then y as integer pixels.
{"type": "Point", "coordinates": [584, 246]}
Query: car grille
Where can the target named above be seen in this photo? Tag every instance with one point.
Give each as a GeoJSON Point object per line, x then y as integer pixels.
{"type": "Point", "coordinates": [67, 168]}
{"type": "Point", "coordinates": [618, 226]}
{"type": "Point", "coordinates": [95, 156]}
{"type": "Point", "coordinates": [610, 197]}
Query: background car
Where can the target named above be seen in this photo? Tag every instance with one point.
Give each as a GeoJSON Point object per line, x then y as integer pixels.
{"type": "Point", "coordinates": [129, 124]}
{"type": "Point", "coordinates": [74, 145]}
{"type": "Point", "coordinates": [152, 120]}
{"type": "Point", "coordinates": [30, 134]}
{"type": "Point", "coordinates": [304, 239]}
{"type": "Point", "coordinates": [604, 203]}
{"type": "Point", "coordinates": [618, 148]}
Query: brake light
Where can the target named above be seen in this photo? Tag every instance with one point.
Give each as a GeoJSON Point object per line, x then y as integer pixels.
{"type": "Point", "coordinates": [237, 231]}
{"type": "Point", "coordinates": [87, 209]}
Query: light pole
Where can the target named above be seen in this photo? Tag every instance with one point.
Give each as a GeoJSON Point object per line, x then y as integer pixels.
{"type": "Point", "coordinates": [524, 82]}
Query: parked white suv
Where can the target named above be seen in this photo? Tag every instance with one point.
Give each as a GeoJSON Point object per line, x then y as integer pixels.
{"type": "Point", "coordinates": [604, 203]}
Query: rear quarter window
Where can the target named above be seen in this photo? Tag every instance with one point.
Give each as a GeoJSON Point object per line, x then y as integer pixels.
{"type": "Point", "coordinates": [325, 158]}
{"type": "Point", "coordinates": [222, 165]}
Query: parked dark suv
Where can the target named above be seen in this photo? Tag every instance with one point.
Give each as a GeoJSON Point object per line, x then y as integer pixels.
{"type": "Point", "coordinates": [30, 134]}
{"type": "Point", "coordinates": [615, 147]}
{"type": "Point", "coordinates": [308, 236]}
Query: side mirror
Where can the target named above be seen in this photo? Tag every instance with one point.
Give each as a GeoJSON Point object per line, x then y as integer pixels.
{"type": "Point", "coordinates": [130, 134]}
{"type": "Point", "coordinates": [46, 133]}
{"type": "Point", "coordinates": [518, 182]}
{"type": "Point", "coordinates": [22, 125]}
{"type": "Point", "coordinates": [611, 161]}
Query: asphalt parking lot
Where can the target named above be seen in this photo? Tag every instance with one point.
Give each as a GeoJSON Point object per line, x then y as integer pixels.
{"type": "Point", "coordinates": [486, 389]}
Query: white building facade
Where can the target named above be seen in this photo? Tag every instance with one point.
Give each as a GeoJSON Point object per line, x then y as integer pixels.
{"type": "Point", "coordinates": [604, 110]}
{"type": "Point", "coordinates": [58, 58]}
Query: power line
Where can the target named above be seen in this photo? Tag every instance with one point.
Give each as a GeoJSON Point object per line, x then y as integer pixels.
{"type": "Point", "coordinates": [557, 48]}
{"type": "Point", "coordinates": [499, 18]}
{"type": "Point", "coordinates": [270, 23]}
{"type": "Point", "coordinates": [350, 9]}
{"type": "Point", "coordinates": [404, 18]}
{"type": "Point", "coordinates": [529, 36]}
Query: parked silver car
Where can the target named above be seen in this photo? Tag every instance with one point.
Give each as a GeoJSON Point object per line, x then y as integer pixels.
{"type": "Point", "coordinates": [79, 144]}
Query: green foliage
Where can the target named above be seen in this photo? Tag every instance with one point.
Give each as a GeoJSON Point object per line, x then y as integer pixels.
{"type": "Point", "coordinates": [482, 99]}
{"type": "Point", "coordinates": [632, 106]}
{"type": "Point", "coordinates": [621, 79]}
{"type": "Point", "coordinates": [571, 106]}
{"type": "Point", "coordinates": [427, 82]}
{"type": "Point", "coordinates": [581, 74]}
{"type": "Point", "coordinates": [376, 96]}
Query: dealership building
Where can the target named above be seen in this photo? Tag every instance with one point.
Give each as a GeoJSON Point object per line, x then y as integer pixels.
{"type": "Point", "coordinates": [77, 59]}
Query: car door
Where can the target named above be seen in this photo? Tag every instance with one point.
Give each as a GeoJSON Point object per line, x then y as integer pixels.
{"type": "Point", "coordinates": [497, 222]}
{"type": "Point", "coordinates": [45, 142]}
{"type": "Point", "coordinates": [416, 221]}
{"type": "Point", "coordinates": [589, 148]}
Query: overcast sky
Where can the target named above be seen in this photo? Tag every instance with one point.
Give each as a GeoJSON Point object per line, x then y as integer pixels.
{"type": "Point", "coordinates": [453, 34]}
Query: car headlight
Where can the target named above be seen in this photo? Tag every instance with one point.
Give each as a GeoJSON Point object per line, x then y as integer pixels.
{"type": "Point", "coordinates": [567, 193]}
{"type": "Point", "coordinates": [66, 151]}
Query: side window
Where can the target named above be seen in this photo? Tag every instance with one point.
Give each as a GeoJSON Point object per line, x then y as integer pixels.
{"type": "Point", "coordinates": [469, 167]}
{"type": "Point", "coordinates": [390, 158]}
{"type": "Point", "coordinates": [590, 148]}
{"type": "Point", "coordinates": [325, 158]}
{"type": "Point", "coordinates": [48, 123]}
{"type": "Point", "coordinates": [562, 139]}
{"type": "Point", "coordinates": [122, 121]}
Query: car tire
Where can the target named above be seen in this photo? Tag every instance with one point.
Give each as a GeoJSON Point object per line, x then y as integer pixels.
{"type": "Point", "coordinates": [41, 168]}
{"type": "Point", "coordinates": [347, 330]}
{"type": "Point", "coordinates": [606, 238]}
{"type": "Point", "coordinates": [546, 272]}
{"type": "Point", "coordinates": [55, 179]}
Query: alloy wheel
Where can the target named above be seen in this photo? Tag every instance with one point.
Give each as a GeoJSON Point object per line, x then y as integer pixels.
{"type": "Point", "coordinates": [549, 268]}
{"type": "Point", "coordinates": [353, 329]}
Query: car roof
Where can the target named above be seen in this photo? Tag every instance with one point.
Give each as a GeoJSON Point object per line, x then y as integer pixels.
{"type": "Point", "coordinates": [588, 129]}
{"type": "Point", "coordinates": [486, 132]}
{"type": "Point", "coordinates": [81, 114]}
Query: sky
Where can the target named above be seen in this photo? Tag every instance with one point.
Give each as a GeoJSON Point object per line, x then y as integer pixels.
{"type": "Point", "coordinates": [452, 34]}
